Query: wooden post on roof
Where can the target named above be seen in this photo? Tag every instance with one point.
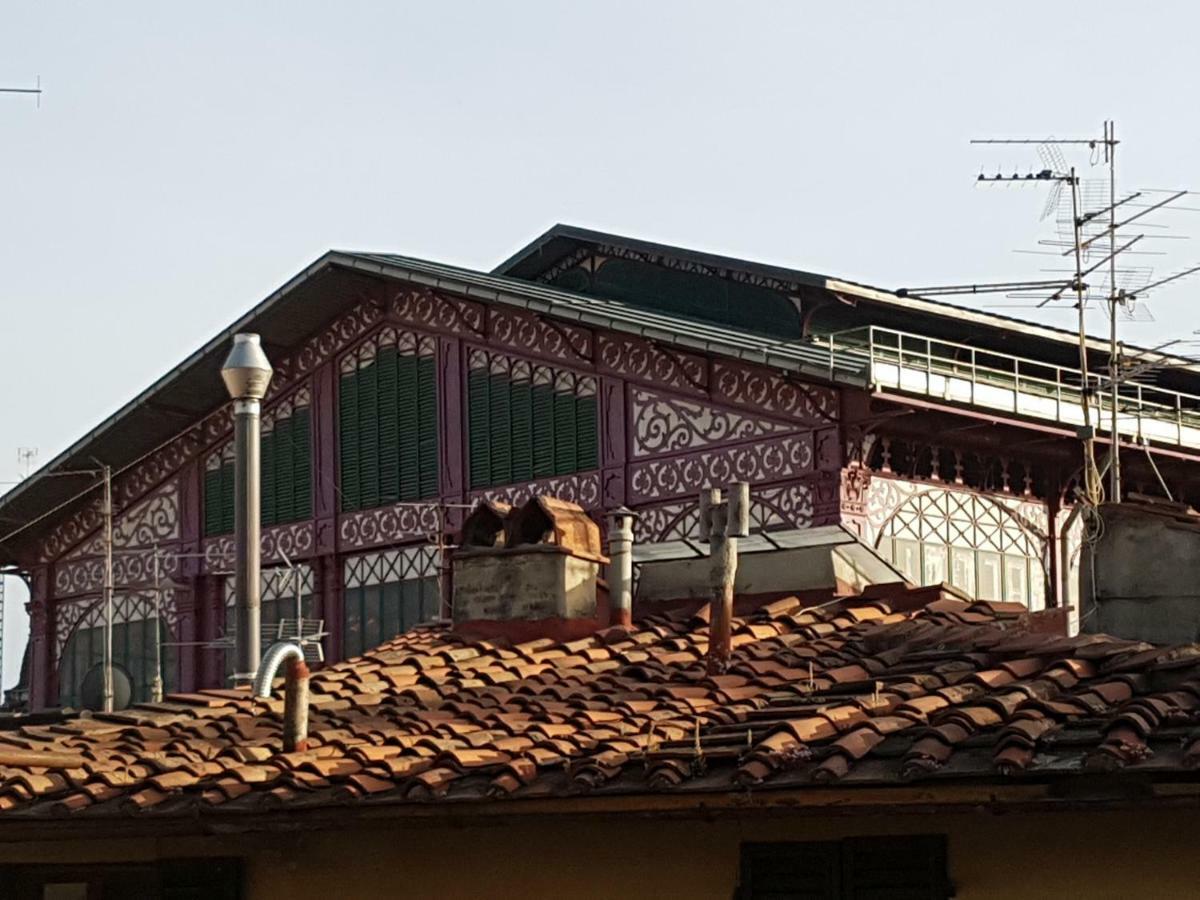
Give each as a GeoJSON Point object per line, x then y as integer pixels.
{"type": "Point", "coordinates": [722, 523]}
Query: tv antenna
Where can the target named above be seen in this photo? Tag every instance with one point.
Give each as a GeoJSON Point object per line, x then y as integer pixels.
{"type": "Point", "coordinates": [25, 458]}
{"type": "Point", "coordinates": [35, 91]}
{"type": "Point", "coordinates": [1098, 229]}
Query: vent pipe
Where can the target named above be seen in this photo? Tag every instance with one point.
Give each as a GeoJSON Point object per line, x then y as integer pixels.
{"type": "Point", "coordinates": [721, 524]}
{"type": "Point", "coordinates": [620, 565]}
{"type": "Point", "coordinates": [295, 691]}
{"type": "Point", "coordinates": [246, 374]}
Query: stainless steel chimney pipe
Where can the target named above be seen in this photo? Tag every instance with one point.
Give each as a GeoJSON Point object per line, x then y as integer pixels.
{"type": "Point", "coordinates": [246, 373]}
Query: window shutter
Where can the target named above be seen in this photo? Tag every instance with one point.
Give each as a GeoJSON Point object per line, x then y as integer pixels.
{"type": "Point", "coordinates": [587, 437]}
{"type": "Point", "coordinates": [542, 399]}
{"type": "Point", "coordinates": [368, 423]}
{"type": "Point", "coordinates": [267, 464]}
{"type": "Point", "coordinates": [389, 426]}
{"type": "Point", "coordinates": [284, 493]}
{"type": "Point", "coordinates": [427, 426]}
{"type": "Point", "coordinates": [212, 501]}
{"type": "Point", "coordinates": [500, 428]}
{"type": "Point", "coordinates": [348, 431]}
{"type": "Point", "coordinates": [227, 478]}
{"type": "Point", "coordinates": [565, 458]}
{"type": "Point", "coordinates": [410, 427]}
{"type": "Point", "coordinates": [804, 871]}
{"type": "Point", "coordinates": [522, 430]}
{"type": "Point", "coordinates": [302, 463]}
{"type": "Point", "coordinates": [479, 440]}
{"type": "Point", "coordinates": [895, 868]}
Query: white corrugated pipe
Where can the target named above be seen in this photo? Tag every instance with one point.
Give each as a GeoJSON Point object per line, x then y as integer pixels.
{"type": "Point", "coordinates": [295, 691]}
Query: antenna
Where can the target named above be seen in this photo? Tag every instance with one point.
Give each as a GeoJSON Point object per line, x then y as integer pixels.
{"type": "Point", "coordinates": [1097, 229]}
{"type": "Point", "coordinates": [35, 91]}
{"type": "Point", "coordinates": [25, 458]}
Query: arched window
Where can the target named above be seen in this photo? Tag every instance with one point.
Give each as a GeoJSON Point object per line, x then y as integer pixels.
{"type": "Point", "coordinates": [133, 647]}
{"type": "Point", "coordinates": [973, 542]}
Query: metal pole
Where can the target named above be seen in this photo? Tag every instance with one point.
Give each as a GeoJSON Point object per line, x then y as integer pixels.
{"type": "Point", "coordinates": [1114, 359]}
{"type": "Point", "coordinates": [107, 513]}
{"type": "Point", "coordinates": [1087, 436]}
{"type": "Point", "coordinates": [156, 689]}
{"type": "Point", "coordinates": [246, 528]}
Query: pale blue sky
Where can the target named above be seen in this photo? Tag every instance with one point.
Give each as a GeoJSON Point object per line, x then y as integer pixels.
{"type": "Point", "coordinates": [187, 159]}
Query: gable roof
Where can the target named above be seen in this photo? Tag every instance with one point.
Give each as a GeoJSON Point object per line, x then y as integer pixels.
{"type": "Point", "coordinates": [897, 687]}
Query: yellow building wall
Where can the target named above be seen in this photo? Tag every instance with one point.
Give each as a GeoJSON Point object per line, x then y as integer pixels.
{"type": "Point", "coordinates": [1124, 854]}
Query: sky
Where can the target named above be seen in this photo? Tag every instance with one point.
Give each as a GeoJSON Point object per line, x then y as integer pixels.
{"type": "Point", "coordinates": [188, 159]}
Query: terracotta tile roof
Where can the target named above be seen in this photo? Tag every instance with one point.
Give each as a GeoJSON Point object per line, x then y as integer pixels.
{"type": "Point", "coordinates": [921, 685]}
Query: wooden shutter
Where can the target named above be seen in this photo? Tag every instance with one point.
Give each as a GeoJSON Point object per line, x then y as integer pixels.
{"type": "Point", "coordinates": [212, 501]}
{"type": "Point", "coordinates": [285, 496]}
{"type": "Point", "coordinates": [227, 479]}
{"type": "Point", "coordinates": [542, 400]}
{"type": "Point", "coordinates": [368, 424]}
{"type": "Point", "coordinates": [565, 442]}
{"type": "Point", "coordinates": [302, 463]}
{"type": "Point", "coordinates": [409, 411]}
{"type": "Point", "coordinates": [478, 438]}
{"type": "Point", "coordinates": [521, 405]}
{"type": "Point", "coordinates": [268, 475]}
{"type": "Point", "coordinates": [795, 871]}
{"type": "Point", "coordinates": [348, 433]}
{"type": "Point", "coordinates": [895, 868]}
{"type": "Point", "coordinates": [427, 425]}
{"type": "Point", "coordinates": [587, 436]}
{"type": "Point", "coordinates": [390, 427]}
{"type": "Point", "coordinates": [500, 428]}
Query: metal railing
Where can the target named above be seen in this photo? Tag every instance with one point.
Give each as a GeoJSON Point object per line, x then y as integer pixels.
{"type": "Point", "coordinates": [971, 376]}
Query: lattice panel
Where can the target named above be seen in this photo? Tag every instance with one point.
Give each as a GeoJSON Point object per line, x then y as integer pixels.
{"type": "Point", "coordinates": [389, 566]}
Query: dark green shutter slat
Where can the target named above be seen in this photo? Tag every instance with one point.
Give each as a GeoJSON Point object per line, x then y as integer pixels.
{"type": "Point", "coordinates": [348, 429]}
{"type": "Point", "coordinates": [227, 479]}
{"type": "Point", "coordinates": [522, 430]}
{"type": "Point", "coordinates": [301, 464]}
{"type": "Point", "coordinates": [564, 434]}
{"type": "Point", "coordinates": [212, 501]}
{"type": "Point", "coordinates": [368, 408]}
{"type": "Point", "coordinates": [543, 430]}
{"type": "Point", "coordinates": [477, 424]}
{"type": "Point", "coordinates": [586, 435]}
{"type": "Point", "coordinates": [267, 469]}
{"type": "Point", "coordinates": [409, 413]}
{"type": "Point", "coordinates": [389, 426]}
{"type": "Point", "coordinates": [284, 494]}
{"type": "Point", "coordinates": [427, 423]}
{"type": "Point", "coordinates": [500, 428]}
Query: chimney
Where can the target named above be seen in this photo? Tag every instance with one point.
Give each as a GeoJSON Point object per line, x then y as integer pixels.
{"type": "Point", "coordinates": [721, 524]}
{"type": "Point", "coordinates": [1140, 577]}
{"type": "Point", "coordinates": [620, 566]}
{"type": "Point", "coordinates": [529, 572]}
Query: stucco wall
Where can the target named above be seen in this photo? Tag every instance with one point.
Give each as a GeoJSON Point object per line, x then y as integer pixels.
{"type": "Point", "coordinates": [1047, 855]}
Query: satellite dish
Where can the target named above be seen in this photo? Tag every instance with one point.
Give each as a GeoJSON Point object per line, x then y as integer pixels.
{"type": "Point", "coordinates": [91, 691]}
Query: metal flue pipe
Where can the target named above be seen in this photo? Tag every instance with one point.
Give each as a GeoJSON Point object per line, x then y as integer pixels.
{"type": "Point", "coordinates": [246, 373]}
{"type": "Point", "coordinates": [295, 691]}
{"type": "Point", "coordinates": [721, 524]}
{"type": "Point", "coordinates": [620, 565]}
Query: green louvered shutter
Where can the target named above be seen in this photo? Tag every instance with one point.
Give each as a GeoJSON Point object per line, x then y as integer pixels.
{"type": "Point", "coordinates": [542, 400]}
{"type": "Point", "coordinates": [285, 496]}
{"type": "Point", "coordinates": [227, 479]}
{"type": "Point", "coordinates": [268, 475]}
{"type": "Point", "coordinates": [479, 441]}
{"type": "Point", "coordinates": [521, 401]}
{"type": "Point", "coordinates": [500, 429]}
{"type": "Point", "coordinates": [348, 430]}
{"type": "Point", "coordinates": [212, 501]}
{"type": "Point", "coordinates": [565, 441]}
{"type": "Point", "coordinates": [427, 425]}
{"type": "Point", "coordinates": [302, 463]}
{"type": "Point", "coordinates": [390, 428]}
{"type": "Point", "coordinates": [410, 429]}
{"type": "Point", "coordinates": [368, 422]}
{"type": "Point", "coordinates": [587, 438]}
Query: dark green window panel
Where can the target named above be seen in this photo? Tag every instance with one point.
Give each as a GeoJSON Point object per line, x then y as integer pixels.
{"type": "Point", "coordinates": [285, 466]}
{"type": "Point", "coordinates": [519, 430]}
{"type": "Point", "coordinates": [387, 421]}
{"type": "Point", "coordinates": [377, 613]}
{"type": "Point", "coordinates": [133, 650]}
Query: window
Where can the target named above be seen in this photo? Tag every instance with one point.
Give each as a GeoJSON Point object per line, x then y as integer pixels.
{"type": "Point", "coordinates": [973, 542]}
{"type": "Point", "coordinates": [285, 464]}
{"type": "Point", "coordinates": [133, 649]}
{"type": "Point", "coordinates": [387, 421]}
{"type": "Point", "coordinates": [528, 421]}
{"type": "Point", "coordinates": [879, 868]}
{"type": "Point", "coordinates": [386, 594]}
{"type": "Point", "coordinates": [277, 601]}
{"type": "Point", "coordinates": [184, 879]}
